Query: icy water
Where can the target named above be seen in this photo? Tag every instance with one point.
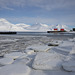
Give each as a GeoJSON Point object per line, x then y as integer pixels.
{"type": "Point", "coordinates": [46, 34]}
{"type": "Point", "coordinates": [43, 33]}
{"type": "Point", "coordinates": [21, 40]}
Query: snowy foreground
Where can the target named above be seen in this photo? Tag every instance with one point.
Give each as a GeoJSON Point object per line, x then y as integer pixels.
{"type": "Point", "coordinates": [37, 55]}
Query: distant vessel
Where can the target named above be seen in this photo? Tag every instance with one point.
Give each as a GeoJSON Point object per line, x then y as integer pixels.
{"type": "Point", "coordinates": [8, 32]}
{"type": "Point", "coordinates": [56, 30]}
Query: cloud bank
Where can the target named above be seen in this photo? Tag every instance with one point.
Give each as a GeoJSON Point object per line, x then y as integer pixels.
{"type": "Point", "coordinates": [43, 4]}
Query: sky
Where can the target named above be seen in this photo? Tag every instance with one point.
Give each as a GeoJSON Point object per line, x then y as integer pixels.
{"type": "Point", "coordinates": [39, 11]}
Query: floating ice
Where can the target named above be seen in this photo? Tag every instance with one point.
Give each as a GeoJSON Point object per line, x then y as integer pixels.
{"type": "Point", "coordinates": [73, 50]}
{"type": "Point", "coordinates": [66, 43]}
{"type": "Point", "coordinates": [62, 49]}
{"type": "Point", "coordinates": [72, 40]}
{"type": "Point", "coordinates": [29, 51]}
{"type": "Point", "coordinates": [9, 40]}
{"type": "Point", "coordinates": [15, 55]}
{"type": "Point", "coordinates": [48, 61]}
{"type": "Point", "coordinates": [15, 69]}
{"type": "Point", "coordinates": [5, 61]}
{"type": "Point", "coordinates": [39, 48]}
{"type": "Point", "coordinates": [69, 66]}
{"type": "Point", "coordinates": [22, 61]}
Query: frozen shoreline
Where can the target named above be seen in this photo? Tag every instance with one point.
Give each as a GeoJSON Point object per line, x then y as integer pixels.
{"type": "Point", "coordinates": [31, 59]}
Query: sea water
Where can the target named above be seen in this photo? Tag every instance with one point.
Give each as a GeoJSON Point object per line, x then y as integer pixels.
{"type": "Point", "coordinates": [46, 34]}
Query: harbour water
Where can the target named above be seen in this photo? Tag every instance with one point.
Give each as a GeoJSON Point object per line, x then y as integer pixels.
{"type": "Point", "coordinates": [64, 34]}
{"type": "Point", "coordinates": [46, 34]}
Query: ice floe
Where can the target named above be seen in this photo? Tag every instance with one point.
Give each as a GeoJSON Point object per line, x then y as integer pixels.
{"type": "Point", "coordinates": [48, 61]}
{"type": "Point", "coordinates": [29, 51]}
{"type": "Point", "coordinates": [62, 49]}
{"type": "Point", "coordinates": [73, 50]}
{"type": "Point", "coordinates": [15, 55]}
{"type": "Point", "coordinates": [6, 61]}
{"type": "Point", "coordinates": [39, 48]}
{"type": "Point", "coordinates": [72, 40]}
{"type": "Point", "coordinates": [22, 61]}
{"type": "Point", "coordinates": [15, 69]}
{"type": "Point", "coordinates": [9, 40]}
{"type": "Point", "coordinates": [69, 65]}
{"type": "Point", "coordinates": [66, 43]}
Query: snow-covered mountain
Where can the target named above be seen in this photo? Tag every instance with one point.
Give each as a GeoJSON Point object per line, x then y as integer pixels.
{"type": "Point", "coordinates": [38, 27]}
{"type": "Point", "coordinates": [7, 26]}
{"type": "Point", "coordinates": [22, 25]}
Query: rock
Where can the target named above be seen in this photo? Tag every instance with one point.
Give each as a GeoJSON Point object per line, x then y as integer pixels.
{"type": "Point", "coordinates": [53, 44]}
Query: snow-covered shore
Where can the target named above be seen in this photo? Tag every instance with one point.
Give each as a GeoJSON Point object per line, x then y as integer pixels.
{"type": "Point", "coordinates": [37, 55]}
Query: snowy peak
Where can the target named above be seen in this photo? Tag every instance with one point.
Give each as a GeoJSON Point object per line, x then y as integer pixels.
{"type": "Point", "coordinates": [22, 25]}
{"type": "Point", "coordinates": [40, 24]}
{"type": "Point", "coordinates": [7, 26]}
{"type": "Point", "coordinates": [4, 22]}
{"type": "Point", "coordinates": [39, 27]}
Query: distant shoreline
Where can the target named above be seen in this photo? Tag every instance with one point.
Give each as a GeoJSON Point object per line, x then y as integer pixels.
{"type": "Point", "coordinates": [8, 32]}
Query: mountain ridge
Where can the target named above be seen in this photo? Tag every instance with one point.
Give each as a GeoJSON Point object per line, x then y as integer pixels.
{"type": "Point", "coordinates": [7, 26]}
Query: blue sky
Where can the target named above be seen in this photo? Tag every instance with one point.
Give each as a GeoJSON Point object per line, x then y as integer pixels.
{"type": "Point", "coordinates": [41, 11]}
